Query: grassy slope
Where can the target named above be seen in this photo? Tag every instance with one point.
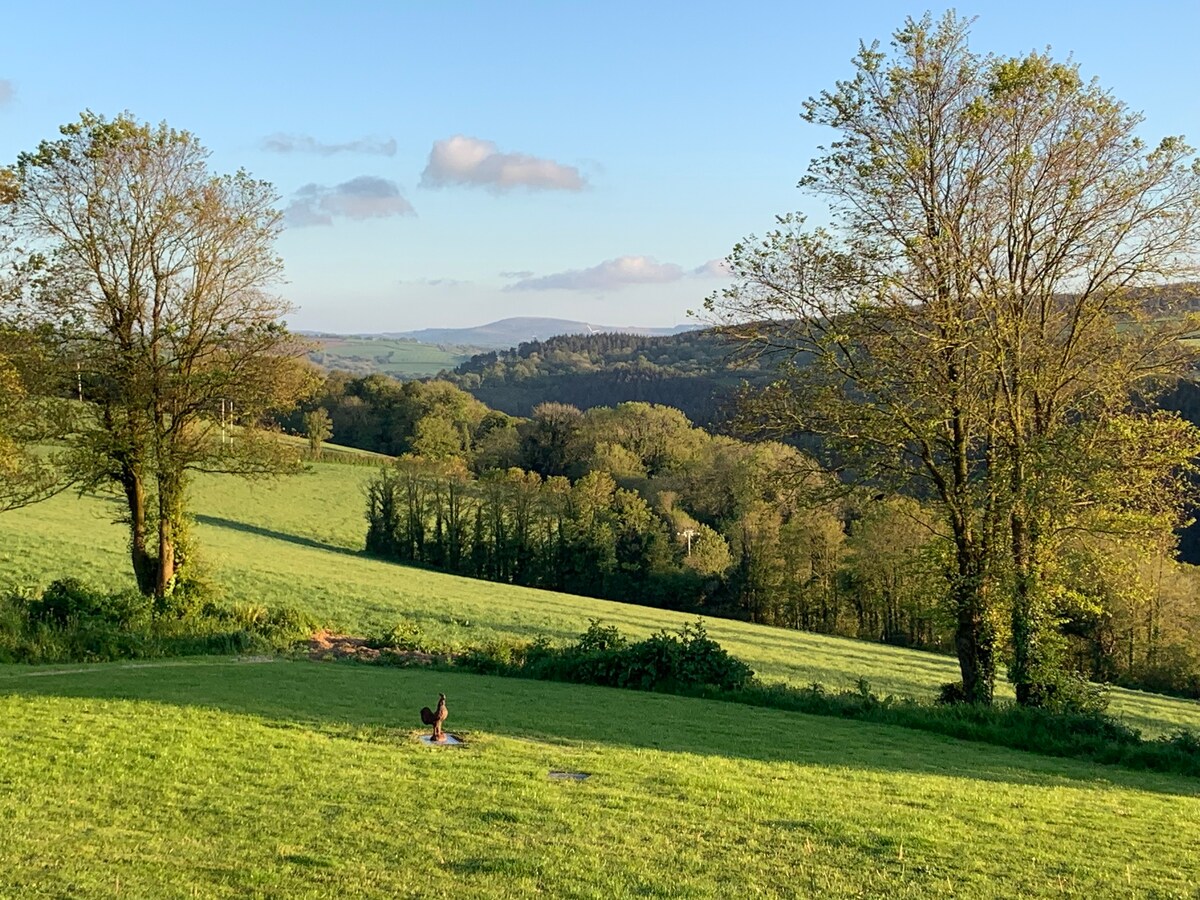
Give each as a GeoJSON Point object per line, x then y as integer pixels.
{"type": "Point", "coordinates": [402, 359]}
{"type": "Point", "coordinates": [295, 542]}
{"type": "Point", "coordinates": [298, 779]}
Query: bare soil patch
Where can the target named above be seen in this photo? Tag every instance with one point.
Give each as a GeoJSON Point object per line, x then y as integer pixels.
{"type": "Point", "coordinates": [327, 645]}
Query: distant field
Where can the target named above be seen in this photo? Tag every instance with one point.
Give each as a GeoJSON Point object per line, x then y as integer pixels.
{"type": "Point", "coordinates": [399, 358]}
{"type": "Point", "coordinates": [297, 541]}
{"type": "Point", "coordinates": [236, 779]}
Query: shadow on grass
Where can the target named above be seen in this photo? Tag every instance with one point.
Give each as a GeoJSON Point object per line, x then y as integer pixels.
{"type": "Point", "coordinates": [378, 703]}
{"type": "Point", "coordinates": [219, 522]}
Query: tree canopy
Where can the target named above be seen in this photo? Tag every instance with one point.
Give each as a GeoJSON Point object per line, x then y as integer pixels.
{"type": "Point", "coordinates": [968, 328]}
{"type": "Point", "coordinates": [158, 277]}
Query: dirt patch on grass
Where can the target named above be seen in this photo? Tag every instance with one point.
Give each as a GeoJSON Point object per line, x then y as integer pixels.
{"type": "Point", "coordinates": [327, 645]}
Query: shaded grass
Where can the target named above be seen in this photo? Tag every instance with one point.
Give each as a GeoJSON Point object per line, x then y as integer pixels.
{"type": "Point", "coordinates": [296, 779]}
{"type": "Point", "coordinates": [297, 542]}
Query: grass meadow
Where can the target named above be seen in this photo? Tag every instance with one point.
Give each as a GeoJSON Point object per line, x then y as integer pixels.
{"type": "Point", "coordinates": [237, 779]}
{"type": "Point", "coordinates": [297, 541]}
{"type": "Point", "coordinates": [400, 358]}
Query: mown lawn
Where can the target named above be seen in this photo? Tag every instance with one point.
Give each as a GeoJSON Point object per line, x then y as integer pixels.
{"type": "Point", "coordinates": [296, 542]}
{"type": "Point", "coordinates": [237, 779]}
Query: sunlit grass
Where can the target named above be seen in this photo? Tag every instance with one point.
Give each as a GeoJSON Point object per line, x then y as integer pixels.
{"type": "Point", "coordinates": [299, 779]}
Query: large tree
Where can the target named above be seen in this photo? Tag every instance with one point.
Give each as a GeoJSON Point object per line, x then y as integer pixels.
{"type": "Point", "coordinates": [160, 276]}
{"type": "Point", "coordinates": [969, 326]}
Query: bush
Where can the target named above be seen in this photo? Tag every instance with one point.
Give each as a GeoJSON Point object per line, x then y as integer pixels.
{"type": "Point", "coordinates": [603, 656]}
{"type": "Point", "coordinates": [951, 694]}
{"type": "Point", "coordinates": [71, 621]}
{"type": "Point", "coordinates": [404, 635]}
{"type": "Point", "coordinates": [66, 599]}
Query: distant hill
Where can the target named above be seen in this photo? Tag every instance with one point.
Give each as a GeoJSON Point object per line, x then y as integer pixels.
{"type": "Point", "coordinates": [694, 371]}
{"type": "Point", "coordinates": [510, 332]}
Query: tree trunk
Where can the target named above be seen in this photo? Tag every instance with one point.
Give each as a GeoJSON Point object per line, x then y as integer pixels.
{"type": "Point", "coordinates": [170, 517]}
{"type": "Point", "coordinates": [165, 580]}
{"type": "Point", "coordinates": [145, 566]}
{"type": "Point", "coordinates": [974, 636]}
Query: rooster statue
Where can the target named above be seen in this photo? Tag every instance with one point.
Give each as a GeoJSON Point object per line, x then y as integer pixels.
{"type": "Point", "coordinates": [435, 718]}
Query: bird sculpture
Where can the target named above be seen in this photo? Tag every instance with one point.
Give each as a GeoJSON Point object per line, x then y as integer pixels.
{"type": "Point", "coordinates": [435, 718]}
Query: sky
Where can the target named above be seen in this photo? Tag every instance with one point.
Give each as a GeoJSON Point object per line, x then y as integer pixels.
{"type": "Point", "coordinates": [447, 165]}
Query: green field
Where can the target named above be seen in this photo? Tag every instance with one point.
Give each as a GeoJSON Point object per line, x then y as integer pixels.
{"type": "Point", "coordinates": [238, 779]}
{"type": "Point", "coordinates": [295, 541]}
{"type": "Point", "coordinates": [276, 778]}
{"type": "Point", "coordinates": [399, 358]}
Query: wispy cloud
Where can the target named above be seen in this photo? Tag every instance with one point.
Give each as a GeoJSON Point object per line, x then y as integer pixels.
{"type": "Point", "coordinates": [8, 90]}
{"type": "Point", "coordinates": [612, 274]}
{"type": "Point", "coordinates": [477, 163]}
{"type": "Point", "coordinates": [434, 282]}
{"type": "Point", "coordinates": [714, 268]}
{"type": "Point", "coordinates": [523, 273]}
{"type": "Point", "coordinates": [303, 143]}
{"type": "Point", "coordinates": [364, 197]}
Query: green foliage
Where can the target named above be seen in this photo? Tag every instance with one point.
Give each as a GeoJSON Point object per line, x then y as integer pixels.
{"type": "Point", "coordinates": [692, 372]}
{"type": "Point", "coordinates": [72, 621]}
{"type": "Point", "coordinates": [686, 660]}
{"type": "Point", "coordinates": [404, 635]}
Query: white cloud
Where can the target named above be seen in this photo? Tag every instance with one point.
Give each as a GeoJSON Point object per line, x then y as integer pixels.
{"type": "Point", "coordinates": [471, 161]}
{"type": "Point", "coordinates": [612, 274]}
{"type": "Point", "coordinates": [714, 268]}
{"type": "Point", "coordinates": [303, 143]}
{"type": "Point", "coordinates": [364, 197]}
{"type": "Point", "coordinates": [8, 90]}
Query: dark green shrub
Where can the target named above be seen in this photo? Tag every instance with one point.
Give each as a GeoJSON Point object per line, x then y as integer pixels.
{"type": "Point", "coordinates": [65, 599]}
{"type": "Point", "coordinates": [951, 694]}
{"type": "Point", "coordinates": [601, 637]}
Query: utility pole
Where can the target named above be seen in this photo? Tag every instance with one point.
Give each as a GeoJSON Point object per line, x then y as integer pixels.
{"type": "Point", "coordinates": [689, 533]}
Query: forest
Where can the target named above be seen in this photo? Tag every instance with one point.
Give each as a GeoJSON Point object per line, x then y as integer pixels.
{"type": "Point", "coordinates": [634, 502]}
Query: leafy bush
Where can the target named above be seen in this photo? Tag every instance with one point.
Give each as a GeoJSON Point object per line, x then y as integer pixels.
{"type": "Point", "coordinates": [404, 635]}
{"type": "Point", "coordinates": [602, 655]}
{"type": "Point", "coordinates": [951, 694]}
{"type": "Point", "coordinates": [71, 621]}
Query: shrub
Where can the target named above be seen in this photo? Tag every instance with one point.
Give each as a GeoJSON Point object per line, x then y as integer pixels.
{"type": "Point", "coordinates": [404, 635]}
{"type": "Point", "coordinates": [65, 599]}
{"type": "Point", "coordinates": [951, 694]}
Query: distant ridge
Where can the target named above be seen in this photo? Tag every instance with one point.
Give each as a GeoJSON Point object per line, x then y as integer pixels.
{"type": "Point", "coordinates": [510, 332]}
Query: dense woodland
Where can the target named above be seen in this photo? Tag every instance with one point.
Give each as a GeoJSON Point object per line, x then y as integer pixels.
{"type": "Point", "coordinates": [693, 372]}
{"type": "Point", "coordinates": [633, 502]}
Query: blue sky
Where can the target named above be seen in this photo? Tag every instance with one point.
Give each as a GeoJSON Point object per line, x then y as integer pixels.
{"type": "Point", "coordinates": [451, 164]}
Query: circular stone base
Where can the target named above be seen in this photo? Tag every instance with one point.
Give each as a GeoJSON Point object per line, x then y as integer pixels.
{"type": "Point", "coordinates": [450, 741]}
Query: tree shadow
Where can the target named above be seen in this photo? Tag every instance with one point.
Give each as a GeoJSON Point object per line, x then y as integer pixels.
{"type": "Point", "coordinates": [247, 528]}
{"type": "Point", "coordinates": [381, 704]}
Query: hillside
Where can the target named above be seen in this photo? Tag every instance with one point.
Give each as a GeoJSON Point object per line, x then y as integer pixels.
{"type": "Point", "coordinates": [399, 357]}
{"type": "Point", "coordinates": [236, 779]}
{"type": "Point", "coordinates": [296, 542]}
{"type": "Point", "coordinates": [510, 332]}
{"type": "Point", "coordinates": [693, 371]}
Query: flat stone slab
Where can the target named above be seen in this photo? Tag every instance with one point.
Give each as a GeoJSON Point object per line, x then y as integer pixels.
{"type": "Point", "coordinates": [450, 741]}
{"type": "Point", "coordinates": [569, 776]}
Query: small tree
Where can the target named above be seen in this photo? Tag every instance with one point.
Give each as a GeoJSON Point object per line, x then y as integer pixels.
{"type": "Point", "coordinates": [159, 275]}
{"type": "Point", "coordinates": [318, 428]}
